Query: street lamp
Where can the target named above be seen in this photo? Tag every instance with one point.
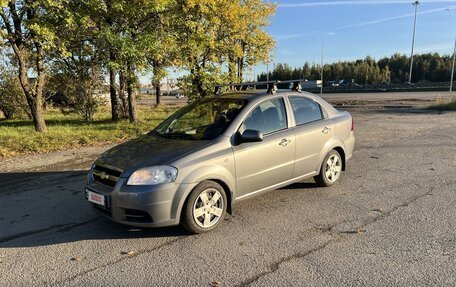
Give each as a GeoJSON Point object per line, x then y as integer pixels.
{"type": "Point", "coordinates": [416, 3]}
{"type": "Point", "coordinates": [452, 68]}
{"type": "Point", "coordinates": [321, 63]}
{"type": "Point", "coordinates": [454, 56]}
{"type": "Point", "coordinates": [322, 67]}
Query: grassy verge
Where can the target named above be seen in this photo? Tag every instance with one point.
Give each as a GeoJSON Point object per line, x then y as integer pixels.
{"type": "Point", "coordinates": [444, 107]}
{"type": "Point", "coordinates": [18, 137]}
{"type": "Point", "coordinates": [444, 104]}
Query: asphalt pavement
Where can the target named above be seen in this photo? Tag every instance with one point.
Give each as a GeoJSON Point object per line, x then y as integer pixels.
{"type": "Point", "coordinates": [390, 221]}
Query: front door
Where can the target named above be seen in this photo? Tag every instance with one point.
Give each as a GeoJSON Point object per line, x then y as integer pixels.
{"type": "Point", "coordinates": [263, 164]}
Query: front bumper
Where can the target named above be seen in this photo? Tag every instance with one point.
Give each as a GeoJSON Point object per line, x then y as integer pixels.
{"type": "Point", "coordinates": [141, 206]}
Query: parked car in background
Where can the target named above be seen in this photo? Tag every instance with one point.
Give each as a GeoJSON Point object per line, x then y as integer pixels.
{"type": "Point", "coordinates": [194, 166]}
{"type": "Point", "coordinates": [177, 94]}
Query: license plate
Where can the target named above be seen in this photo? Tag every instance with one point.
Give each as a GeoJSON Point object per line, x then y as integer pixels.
{"type": "Point", "coordinates": [96, 198]}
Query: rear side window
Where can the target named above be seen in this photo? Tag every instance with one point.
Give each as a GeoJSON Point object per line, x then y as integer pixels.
{"type": "Point", "coordinates": [305, 110]}
{"type": "Point", "coordinates": [268, 117]}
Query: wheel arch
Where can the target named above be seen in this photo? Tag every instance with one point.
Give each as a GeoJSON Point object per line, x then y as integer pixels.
{"type": "Point", "coordinates": [214, 173]}
{"type": "Point", "coordinates": [341, 151]}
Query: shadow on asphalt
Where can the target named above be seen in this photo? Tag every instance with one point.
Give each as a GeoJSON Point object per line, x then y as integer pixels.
{"type": "Point", "coordinates": [301, 185]}
{"type": "Point", "coordinates": [393, 110]}
{"type": "Point", "coordinates": [47, 208]}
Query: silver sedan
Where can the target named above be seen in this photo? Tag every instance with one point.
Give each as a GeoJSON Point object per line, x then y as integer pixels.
{"type": "Point", "coordinates": [194, 166]}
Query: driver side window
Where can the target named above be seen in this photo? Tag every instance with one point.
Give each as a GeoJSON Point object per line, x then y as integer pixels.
{"type": "Point", "coordinates": [268, 117]}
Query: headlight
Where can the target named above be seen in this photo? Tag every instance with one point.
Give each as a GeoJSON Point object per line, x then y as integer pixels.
{"type": "Point", "coordinates": [153, 175]}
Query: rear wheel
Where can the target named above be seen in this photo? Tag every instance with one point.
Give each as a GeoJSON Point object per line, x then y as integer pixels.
{"type": "Point", "coordinates": [205, 208]}
{"type": "Point", "coordinates": [331, 169]}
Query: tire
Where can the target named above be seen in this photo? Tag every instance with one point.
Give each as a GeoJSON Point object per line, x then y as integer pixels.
{"type": "Point", "coordinates": [201, 213]}
{"type": "Point", "coordinates": [331, 170]}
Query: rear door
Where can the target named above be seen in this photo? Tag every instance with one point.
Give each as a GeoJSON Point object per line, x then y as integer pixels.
{"type": "Point", "coordinates": [263, 164]}
{"type": "Point", "coordinates": [313, 130]}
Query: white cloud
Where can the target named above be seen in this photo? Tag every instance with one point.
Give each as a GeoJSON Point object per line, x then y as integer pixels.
{"type": "Point", "coordinates": [373, 2]}
{"type": "Point", "coordinates": [362, 24]}
{"type": "Point", "coordinates": [388, 19]}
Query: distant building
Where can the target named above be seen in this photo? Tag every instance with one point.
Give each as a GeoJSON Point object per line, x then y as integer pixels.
{"type": "Point", "coordinates": [166, 87]}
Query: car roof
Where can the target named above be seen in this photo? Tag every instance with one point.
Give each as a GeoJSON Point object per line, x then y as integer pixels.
{"type": "Point", "coordinates": [256, 94]}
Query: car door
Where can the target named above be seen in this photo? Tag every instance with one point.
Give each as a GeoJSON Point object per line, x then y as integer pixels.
{"type": "Point", "coordinates": [312, 132]}
{"type": "Point", "coordinates": [260, 165]}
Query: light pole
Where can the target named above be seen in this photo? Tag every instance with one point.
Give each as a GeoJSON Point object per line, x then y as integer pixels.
{"type": "Point", "coordinates": [452, 68]}
{"type": "Point", "coordinates": [416, 3]}
{"type": "Point", "coordinates": [454, 56]}
{"type": "Point", "coordinates": [322, 67]}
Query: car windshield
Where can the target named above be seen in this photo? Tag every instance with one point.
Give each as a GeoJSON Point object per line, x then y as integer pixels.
{"type": "Point", "coordinates": [202, 120]}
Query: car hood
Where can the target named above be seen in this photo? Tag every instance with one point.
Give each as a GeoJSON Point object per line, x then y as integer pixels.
{"type": "Point", "coordinates": [147, 150]}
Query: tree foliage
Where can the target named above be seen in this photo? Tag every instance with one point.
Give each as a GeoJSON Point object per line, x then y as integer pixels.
{"type": "Point", "coordinates": [28, 28]}
{"type": "Point", "coordinates": [12, 98]}
{"type": "Point", "coordinates": [83, 41]}
{"type": "Point", "coordinates": [395, 69]}
{"type": "Point", "coordinates": [217, 34]}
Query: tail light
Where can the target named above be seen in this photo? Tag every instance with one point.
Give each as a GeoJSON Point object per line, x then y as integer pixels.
{"type": "Point", "coordinates": [353, 125]}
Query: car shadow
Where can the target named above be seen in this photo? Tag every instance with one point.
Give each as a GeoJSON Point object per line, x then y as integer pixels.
{"type": "Point", "coordinates": [301, 185]}
{"type": "Point", "coordinates": [396, 110]}
{"type": "Point", "coordinates": [47, 208]}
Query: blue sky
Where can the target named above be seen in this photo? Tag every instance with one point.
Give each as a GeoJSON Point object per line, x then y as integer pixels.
{"type": "Point", "coordinates": [355, 29]}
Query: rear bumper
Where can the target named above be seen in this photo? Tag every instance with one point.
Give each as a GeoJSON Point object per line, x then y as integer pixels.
{"type": "Point", "coordinates": [349, 146]}
{"type": "Point", "coordinates": [141, 206]}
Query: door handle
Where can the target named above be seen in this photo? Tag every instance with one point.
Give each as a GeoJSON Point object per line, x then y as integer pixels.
{"type": "Point", "coordinates": [284, 142]}
{"type": "Point", "coordinates": [326, 130]}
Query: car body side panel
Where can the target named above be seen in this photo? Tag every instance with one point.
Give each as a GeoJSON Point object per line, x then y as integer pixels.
{"type": "Point", "coordinates": [344, 133]}
{"type": "Point", "coordinates": [215, 162]}
{"type": "Point", "coordinates": [343, 136]}
{"type": "Point", "coordinates": [311, 142]}
{"type": "Point", "coordinates": [263, 164]}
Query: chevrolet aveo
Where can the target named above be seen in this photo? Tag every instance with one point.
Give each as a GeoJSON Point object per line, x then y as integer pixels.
{"type": "Point", "coordinates": [196, 164]}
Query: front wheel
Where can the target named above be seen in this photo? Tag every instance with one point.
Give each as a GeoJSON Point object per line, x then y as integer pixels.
{"type": "Point", "coordinates": [204, 208]}
{"type": "Point", "coordinates": [331, 169]}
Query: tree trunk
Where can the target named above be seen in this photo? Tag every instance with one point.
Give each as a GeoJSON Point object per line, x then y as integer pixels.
{"type": "Point", "coordinates": [131, 97]}
{"type": "Point", "coordinates": [39, 91]}
{"type": "Point", "coordinates": [156, 83]}
{"type": "Point", "coordinates": [34, 99]}
{"type": "Point", "coordinates": [157, 93]}
{"type": "Point", "coordinates": [112, 71]}
{"type": "Point", "coordinates": [112, 91]}
{"type": "Point", "coordinates": [232, 72]}
{"type": "Point", "coordinates": [15, 36]}
{"type": "Point", "coordinates": [240, 69]}
{"type": "Point", "coordinates": [38, 115]}
{"type": "Point", "coordinates": [122, 97]}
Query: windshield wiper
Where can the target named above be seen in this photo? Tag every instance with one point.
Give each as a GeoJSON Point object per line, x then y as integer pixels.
{"type": "Point", "coordinates": [154, 133]}
{"type": "Point", "coordinates": [178, 136]}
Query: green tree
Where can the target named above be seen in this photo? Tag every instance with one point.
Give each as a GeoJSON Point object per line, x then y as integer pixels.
{"type": "Point", "coordinates": [28, 28]}
{"type": "Point", "coordinates": [12, 98]}
{"type": "Point", "coordinates": [215, 34]}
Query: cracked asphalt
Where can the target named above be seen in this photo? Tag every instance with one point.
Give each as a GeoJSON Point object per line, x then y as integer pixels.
{"type": "Point", "coordinates": [390, 221]}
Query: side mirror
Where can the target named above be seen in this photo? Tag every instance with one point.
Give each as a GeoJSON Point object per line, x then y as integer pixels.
{"type": "Point", "coordinates": [250, 136]}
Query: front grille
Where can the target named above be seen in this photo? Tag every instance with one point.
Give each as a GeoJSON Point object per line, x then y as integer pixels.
{"type": "Point", "coordinates": [106, 176]}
